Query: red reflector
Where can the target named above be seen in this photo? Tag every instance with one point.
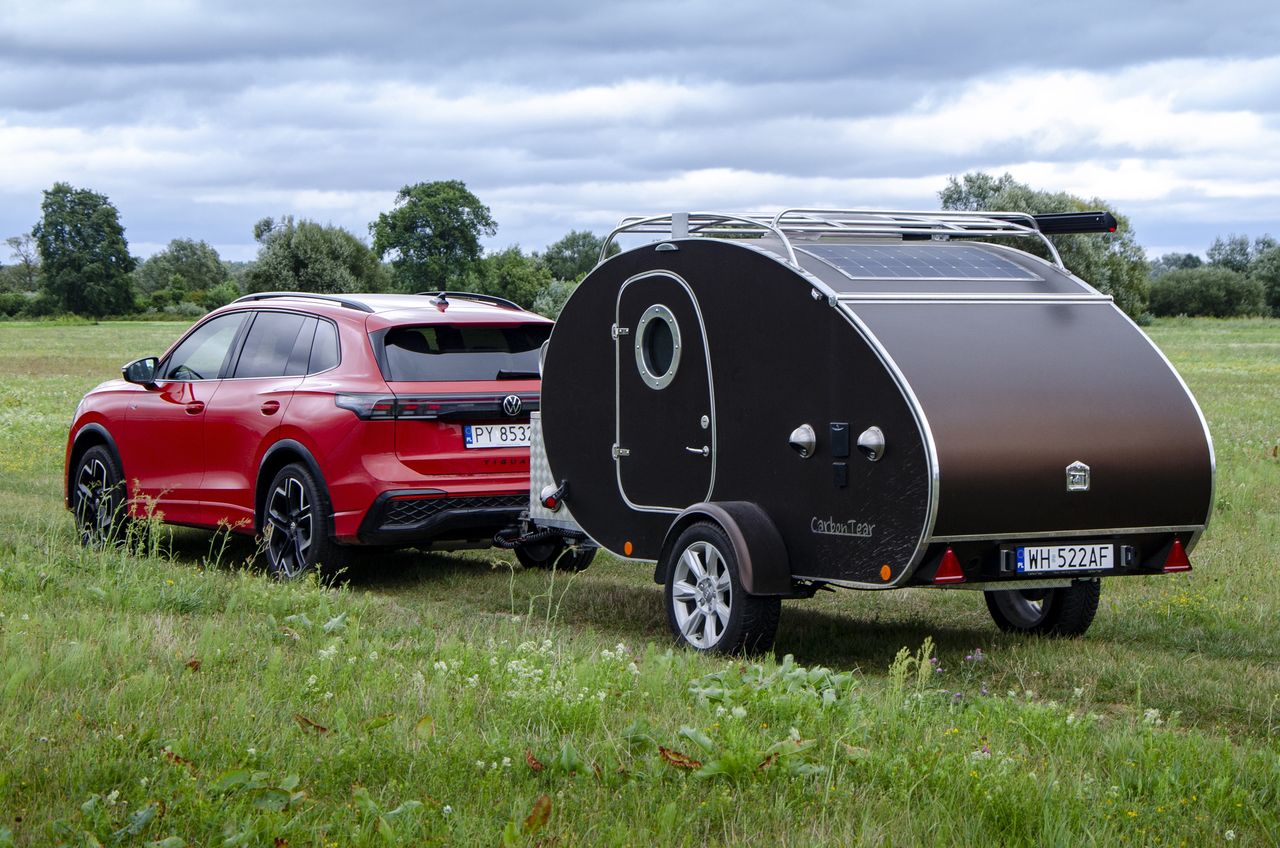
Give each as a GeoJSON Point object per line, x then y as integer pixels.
{"type": "Point", "coordinates": [949, 569]}
{"type": "Point", "coordinates": [1177, 559]}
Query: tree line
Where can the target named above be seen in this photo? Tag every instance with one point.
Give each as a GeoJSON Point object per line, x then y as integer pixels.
{"type": "Point", "coordinates": [76, 259]}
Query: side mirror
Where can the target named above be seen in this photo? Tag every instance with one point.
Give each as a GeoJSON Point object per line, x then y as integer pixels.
{"type": "Point", "coordinates": [141, 371]}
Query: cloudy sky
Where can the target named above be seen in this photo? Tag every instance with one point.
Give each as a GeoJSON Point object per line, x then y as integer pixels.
{"type": "Point", "coordinates": [197, 118]}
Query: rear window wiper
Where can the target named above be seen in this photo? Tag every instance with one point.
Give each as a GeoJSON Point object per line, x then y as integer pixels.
{"type": "Point", "coordinates": [504, 374]}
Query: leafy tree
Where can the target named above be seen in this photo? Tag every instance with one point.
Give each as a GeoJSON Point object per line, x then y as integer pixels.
{"type": "Point", "coordinates": [433, 235]}
{"type": "Point", "coordinates": [572, 257]}
{"type": "Point", "coordinates": [25, 275]}
{"type": "Point", "coordinates": [191, 266]}
{"type": "Point", "coordinates": [1235, 251]}
{"type": "Point", "coordinates": [511, 274]}
{"type": "Point", "coordinates": [1174, 262]}
{"type": "Point", "coordinates": [83, 252]}
{"type": "Point", "coordinates": [1212, 290]}
{"type": "Point", "coordinates": [1113, 263]}
{"type": "Point", "coordinates": [1265, 268]}
{"type": "Point", "coordinates": [306, 256]}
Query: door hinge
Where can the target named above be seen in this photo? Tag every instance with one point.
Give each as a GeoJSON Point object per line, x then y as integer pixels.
{"type": "Point", "coordinates": [620, 451]}
{"type": "Point", "coordinates": [616, 331]}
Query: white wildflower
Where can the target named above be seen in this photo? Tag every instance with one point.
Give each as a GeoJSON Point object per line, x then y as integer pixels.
{"type": "Point", "coordinates": [1230, 836]}
{"type": "Point", "coordinates": [373, 656]}
{"type": "Point", "coordinates": [447, 810]}
{"type": "Point", "coordinates": [739, 712]}
{"type": "Point", "coordinates": [329, 652]}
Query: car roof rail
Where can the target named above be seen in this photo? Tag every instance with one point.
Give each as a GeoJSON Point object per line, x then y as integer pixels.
{"type": "Point", "coordinates": [443, 297]}
{"type": "Point", "coordinates": [348, 302]}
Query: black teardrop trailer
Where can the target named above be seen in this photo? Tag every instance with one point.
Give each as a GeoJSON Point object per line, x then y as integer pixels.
{"type": "Point", "coordinates": [766, 406]}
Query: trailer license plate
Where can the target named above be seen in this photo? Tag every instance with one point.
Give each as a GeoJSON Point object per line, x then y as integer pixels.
{"type": "Point", "coordinates": [496, 435]}
{"type": "Point", "coordinates": [1065, 558]}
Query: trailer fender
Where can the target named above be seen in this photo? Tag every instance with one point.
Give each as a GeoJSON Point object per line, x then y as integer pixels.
{"type": "Point", "coordinates": [764, 566]}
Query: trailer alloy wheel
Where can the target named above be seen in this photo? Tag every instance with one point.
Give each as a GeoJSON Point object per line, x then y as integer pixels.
{"type": "Point", "coordinates": [1066, 611]}
{"type": "Point", "coordinates": [97, 498]}
{"type": "Point", "coordinates": [707, 608]}
{"type": "Point", "coordinates": [293, 526]}
{"type": "Point", "coordinates": [553, 554]}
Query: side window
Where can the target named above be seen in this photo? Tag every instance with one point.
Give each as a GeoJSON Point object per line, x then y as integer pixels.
{"type": "Point", "coordinates": [324, 352]}
{"type": "Point", "coordinates": [269, 343]}
{"type": "Point", "coordinates": [202, 354]}
{"type": "Point", "coordinates": [301, 350]}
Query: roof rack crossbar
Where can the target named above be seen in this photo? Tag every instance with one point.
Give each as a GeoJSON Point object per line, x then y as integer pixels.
{"type": "Point", "coordinates": [482, 298]}
{"type": "Point", "coordinates": [348, 302]}
{"type": "Point", "coordinates": [702, 223]}
{"type": "Point", "coordinates": [815, 224]}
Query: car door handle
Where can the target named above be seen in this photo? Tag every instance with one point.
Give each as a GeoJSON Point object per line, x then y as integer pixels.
{"type": "Point", "coordinates": [195, 408]}
{"type": "Point", "coordinates": [270, 407]}
{"type": "Point", "coordinates": [703, 451]}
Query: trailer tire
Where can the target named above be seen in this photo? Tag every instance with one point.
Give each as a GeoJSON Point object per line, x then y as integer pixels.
{"type": "Point", "coordinates": [553, 554]}
{"type": "Point", "coordinates": [707, 608]}
{"type": "Point", "coordinates": [1066, 611]}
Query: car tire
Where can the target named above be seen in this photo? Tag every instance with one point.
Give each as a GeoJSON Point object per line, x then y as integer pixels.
{"type": "Point", "coordinates": [707, 608]}
{"type": "Point", "coordinates": [98, 499]}
{"type": "Point", "coordinates": [555, 554]}
{"type": "Point", "coordinates": [1065, 611]}
{"type": "Point", "coordinates": [295, 526]}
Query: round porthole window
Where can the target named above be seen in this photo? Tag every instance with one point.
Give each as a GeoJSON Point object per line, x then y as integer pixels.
{"type": "Point", "coordinates": [658, 347]}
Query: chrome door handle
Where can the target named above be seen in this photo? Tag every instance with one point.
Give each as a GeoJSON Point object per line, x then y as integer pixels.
{"type": "Point", "coordinates": [704, 450]}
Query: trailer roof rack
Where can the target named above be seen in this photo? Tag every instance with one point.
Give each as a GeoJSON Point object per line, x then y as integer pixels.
{"type": "Point", "coordinates": [800, 225]}
{"type": "Point", "coordinates": [348, 302]}
{"type": "Point", "coordinates": [443, 297]}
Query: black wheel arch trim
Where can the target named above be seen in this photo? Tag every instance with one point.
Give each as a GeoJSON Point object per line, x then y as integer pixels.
{"type": "Point", "coordinates": [92, 431]}
{"type": "Point", "coordinates": [763, 563]}
{"type": "Point", "coordinates": [263, 482]}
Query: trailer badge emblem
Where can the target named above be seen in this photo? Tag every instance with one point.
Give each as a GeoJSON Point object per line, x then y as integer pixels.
{"type": "Point", "coordinates": [1077, 477]}
{"type": "Point", "coordinates": [511, 405]}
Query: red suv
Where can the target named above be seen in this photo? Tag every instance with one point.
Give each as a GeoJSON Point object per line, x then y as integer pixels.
{"type": "Point", "coordinates": [320, 422]}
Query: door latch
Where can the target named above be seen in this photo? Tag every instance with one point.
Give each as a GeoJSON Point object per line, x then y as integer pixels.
{"type": "Point", "coordinates": [703, 451]}
{"type": "Point", "coordinates": [616, 331]}
{"type": "Point", "coordinates": [618, 451]}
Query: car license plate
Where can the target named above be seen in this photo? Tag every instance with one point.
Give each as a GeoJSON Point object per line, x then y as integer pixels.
{"type": "Point", "coordinates": [1057, 558]}
{"type": "Point", "coordinates": [496, 435]}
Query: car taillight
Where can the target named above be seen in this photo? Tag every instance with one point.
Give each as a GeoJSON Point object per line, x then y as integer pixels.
{"type": "Point", "coordinates": [368, 407]}
{"type": "Point", "coordinates": [460, 407]}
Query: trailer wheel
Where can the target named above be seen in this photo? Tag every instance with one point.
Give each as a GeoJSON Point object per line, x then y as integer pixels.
{"type": "Point", "coordinates": [1066, 611]}
{"type": "Point", "coordinates": [553, 554]}
{"type": "Point", "coordinates": [707, 607]}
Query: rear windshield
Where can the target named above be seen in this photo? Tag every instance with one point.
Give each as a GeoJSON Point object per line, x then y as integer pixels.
{"type": "Point", "coordinates": [462, 352]}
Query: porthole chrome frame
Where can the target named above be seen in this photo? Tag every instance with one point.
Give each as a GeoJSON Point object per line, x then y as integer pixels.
{"type": "Point", "coordinates": [655, 313]}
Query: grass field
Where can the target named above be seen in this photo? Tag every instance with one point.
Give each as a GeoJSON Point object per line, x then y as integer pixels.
{"type": "Point", "coordinates": [180, 698]}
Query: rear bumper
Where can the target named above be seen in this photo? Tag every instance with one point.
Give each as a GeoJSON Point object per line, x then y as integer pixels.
{"type": "Point", "coordinates": [421, 516]}
{"type": "Point", "coordinates": [987, 562]}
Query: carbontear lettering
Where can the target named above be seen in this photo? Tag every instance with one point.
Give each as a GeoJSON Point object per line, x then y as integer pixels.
{"type": "Point", "coordinates": [836, 527]}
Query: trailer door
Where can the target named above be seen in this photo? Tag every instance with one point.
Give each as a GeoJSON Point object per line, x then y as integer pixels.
{"type": "Point", "coordinates": [665, 449]}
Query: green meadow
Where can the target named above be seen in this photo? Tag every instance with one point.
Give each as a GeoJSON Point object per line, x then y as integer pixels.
{"type": "Point", "coordinates": [171, 694]}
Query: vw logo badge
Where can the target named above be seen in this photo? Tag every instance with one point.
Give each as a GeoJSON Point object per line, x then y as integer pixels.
{"type": "Point", "coordinates": [511, 405]}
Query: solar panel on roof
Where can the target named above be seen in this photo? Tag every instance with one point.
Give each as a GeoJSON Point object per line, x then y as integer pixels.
{"type": "Point", "coordinates": [917, 262]}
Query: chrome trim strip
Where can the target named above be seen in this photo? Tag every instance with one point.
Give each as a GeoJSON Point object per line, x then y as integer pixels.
{"type": "Point", "coordinates": [617, 388]}
{"type": "Point", "coordinates": [1067, 534]}
{"type": "Point", "coordinates": [943, 297]}
{"type": "Point", "coordinates": [1204, 424]}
